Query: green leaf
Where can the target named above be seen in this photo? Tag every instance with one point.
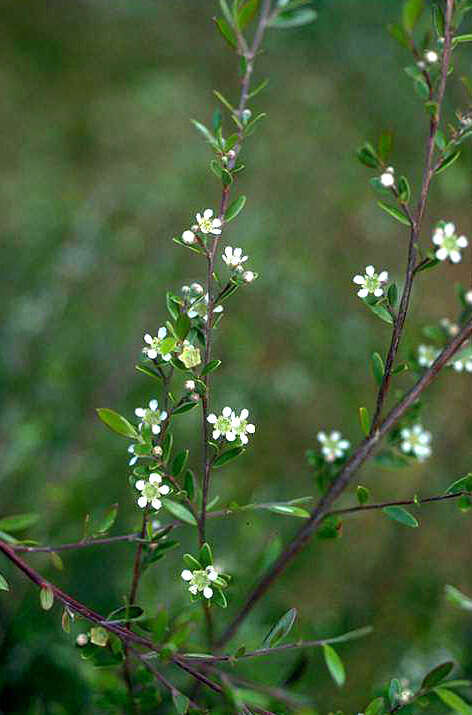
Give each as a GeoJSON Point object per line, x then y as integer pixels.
{"type": "Point", "coordinates": [392, 294]}
{"type": "Point", "coordinates": [334, 665]}
{"type": "Point", "coordinates": [227, 32]}
{"type": "Point", "coordinates": [205, 132]}
{"type": "Point", "coordinates": [184, 407]}
{"type": "Point", "coordinates": [235, 208]}
{"type": "Point", "coordinates": [436, 675]}
{"type": "Point", "coordinates": [227, 456]}
{"type": "Point", "coordinates": [181, 702]}
{"type": "Point", "coordinates": [224, 101]}
{"type": "Point", "coordinates": [378, 367]}
{"type": "Point", "coordinates": [394, 691]}
{"type": "Point", "coordinates": [459, 39]}
{"type": "Point", "coordinates": [281, 629]}
{"type": "Point", "coordinates": [404, 189]}
{"type": "Point", "coordinates": [117, 423]}
{"type": "Point", "coordinates": [173, 303]}
{"type": "Point", "coordinates": [166, 445]}
{"type": "Point", "coordinates": [4, 583]}
{"type": "Point", "coordinates": [219, 598]}
{"type": "Point", "coordinates": [150, 373]}
{"type": "Point", "coordinates": [108, 520]}
{"type": "Point", "coordinates": [262, 85]}
{"type": "Point", "coordinates": [192, 563]}
{"type": "Point", "coordinates": [412, 11]}
{"type": "Point", "coordinates": [380, 311]}
{"type": "Point", "coordinates": [179, 511]}
{"type": "Point", "coordinates": [189, 483]}
{"type": "Point", "coordinates": [385, 145]}
{"type": "Point", "coordinates": [206, 557]}
{"type": "Point", "coordinates": [399, 34]}
{"type": "Point", "coordinates": [125, 614]}
{"type": "Point", "coordinates": [375, 707]}
{"type": "Point", "coordinates": [458, 598]}
{"type": "Point", "coordinates": [247, 13]}
{"type": "Point", "coordinates": [18, 522]}
{"type": "Point", "coordinates": [364, 419]}
{"type": "Point", "coordinates": [287, 509]}
{"type": "Point", "coordinates": [448, 161]}
{"type": "Point", "coordinates": [454, 701]}
{"type": "Point", "coordinates": [293, 19]}
{"type": "Point", "coordinates": [182, 326]}
{"type": "Point", "coordinates": [464, 484]}
{"type": "Point", "coordinates": [46, 598]}
{"type": "Point", "coordinates": [210, 367]}
{"type": "Point", "coordinates": [398, 513]}
{"type": "Point", "coordinates": [363, 494]}
{"type": "Point", "coordinates": [179, 462]}
{"type": "Point", "coordinates": [394, 213]}
{"type": "Point", "coordinates": [438, 20]}
{"type": "Point", "coordinates": [367, 156]}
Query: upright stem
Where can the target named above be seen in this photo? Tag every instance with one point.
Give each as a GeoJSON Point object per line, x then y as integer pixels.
{"type": "Point", "coordinates": [249, 55]}
{"type": "Point", "coordinates": [417, 221]}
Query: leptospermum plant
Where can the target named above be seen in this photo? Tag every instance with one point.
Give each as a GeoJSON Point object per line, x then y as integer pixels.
{"type": "Point", "coordinates": [179, 352]}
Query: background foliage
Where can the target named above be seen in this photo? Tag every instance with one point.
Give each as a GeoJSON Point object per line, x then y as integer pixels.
{"type": "Point", "coordinates": [101, 166]}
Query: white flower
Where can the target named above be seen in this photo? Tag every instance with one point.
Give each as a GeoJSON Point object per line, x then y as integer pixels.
{"type": "Point", "coordinates": [151, 416]}
{"type": "Point", "coordinates": [427, 354]}
{"type": "Point", "coordinates": [189, 237]}
{"type": "Point", "coordinates": [463, 364]}
{"type": "Point", "coordinates": [431, 56]}
{"type": "Point", "coordinates": [387, 179]}
{"type": "Point", "coordinates": [208, 224]}
{"type": "Point", "coordinates": [468, 297]}
{"type": "Point", "coordinates": [133, 458]}
{"type": "Point", "coordinates": [151, 490]}
{"type": "Point", "coordinates": [200, 580]}
{"type": "Point", "coordinates": [334, 445]}
{"type": "Point", "coordinates": [223, 425]}
{"type": "Point", "coordinates": [416, 440]}
{"type": "Point", "coordinates": [154, 346]}
{"type": "Point", "coordinates": [371, 282]}
{"type": "Point", "coordinates": [242, 427]}
{"type": "Point", "coordinates": [449, 243]}
{"type": "Point", "coordinates": [249, 276]}
{"type": "Point", "coordinates": [233, 257]}
{"type": "Point", "coordinates": [190, 385]}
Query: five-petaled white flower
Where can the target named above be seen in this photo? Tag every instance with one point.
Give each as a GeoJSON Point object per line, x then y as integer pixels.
{"type": "Point", "coordinates": [387, 179]}
{"type": "Point", "coordinates": [371, 282]}
{"type": "Point", "coordinates": [427, 354]}
{"type": "Point", "coordinates": [200, 580]}
{"type": "Point", "coordinates": [233, 257]}
{"type": "Point", "coordinates": [449, 242]}
{"type": "Point", "coordinates": [241, 426]}
{"type": "Point", "coordinates": [151, 491]}
{"type": "Point", "coordinates": [333, 445]}
{"type": "Point", "coordinates": [151, 416]}
{"type": "Point", "coordinates": [154, 346]}
{"type": "Point", "coordinates": [223, 425]}
{"type": "Point", "coordinates": [416, 440]}
{"type": "Point", "coordinates": [208, 224]}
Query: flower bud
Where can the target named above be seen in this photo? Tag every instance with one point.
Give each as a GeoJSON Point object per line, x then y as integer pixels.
{"type": "Point", "coordinates": [82, 640]}
{"type": "Point", "coordinates": [248, 276]}
{"type": "Point", "coordinates": [157, 451]}
{"type": "Point", "coordinates": [189, 237]}
{"type": "Point", "coordinates": [190, 385]}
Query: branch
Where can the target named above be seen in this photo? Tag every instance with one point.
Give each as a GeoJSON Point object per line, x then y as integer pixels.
{"type": "Point", "coordinates": [404, 502]}
{"type": "Point", "coordinates": [337, 487]}
{"type": "Point", "coordinates": [416, 223]}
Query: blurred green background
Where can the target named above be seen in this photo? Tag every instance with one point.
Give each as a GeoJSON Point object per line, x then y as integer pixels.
{"type": "Point", "coordinates": [100, 168]}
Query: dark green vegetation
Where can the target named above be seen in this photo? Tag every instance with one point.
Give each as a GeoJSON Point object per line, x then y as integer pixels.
{"type": "Point", "coordinates": [101, 166]}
